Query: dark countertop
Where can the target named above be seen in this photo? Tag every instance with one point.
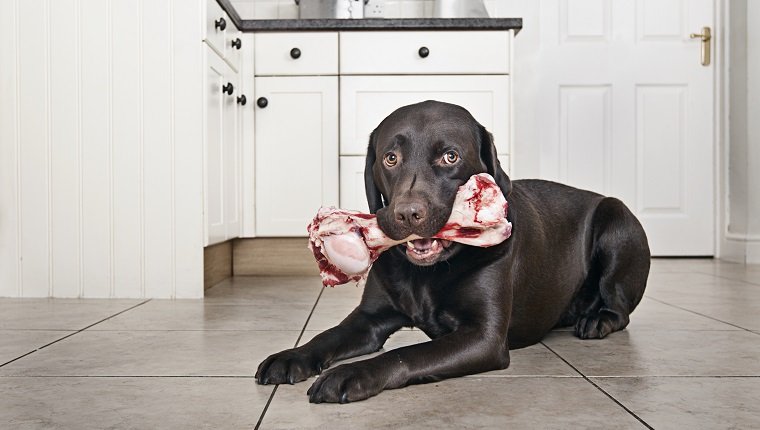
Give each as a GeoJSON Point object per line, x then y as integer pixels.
{"type": "Point", "coordinates": [368, 24]}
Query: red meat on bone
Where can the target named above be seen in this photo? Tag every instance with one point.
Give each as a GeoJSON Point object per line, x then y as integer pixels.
{"type": "Point", "coordinates": [345, 243]}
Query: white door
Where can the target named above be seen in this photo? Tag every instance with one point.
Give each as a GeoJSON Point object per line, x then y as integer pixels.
{"type": "Point", "coordinates": [627, 110]}
{"type": "Point", "coordinates": [296, 151]}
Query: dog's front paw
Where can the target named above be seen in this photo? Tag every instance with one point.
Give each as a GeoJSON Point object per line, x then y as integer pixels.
{"type": "Point", "coordinates": [347, 383]}
{"type": "Point", "coordinates": [289, 366]}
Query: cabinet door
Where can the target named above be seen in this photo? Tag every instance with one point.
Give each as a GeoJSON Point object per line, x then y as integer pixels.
{"type": "Point", "coordinates": [367, 100]}
{"type": "Point", "coordinates": [215, 71]}
{"type": "Point", "coordinates": [352, 194]}
{"type": "Point", "coordinates": [296, 151]}
{"type": "Point", "coordinates": [231, 164]}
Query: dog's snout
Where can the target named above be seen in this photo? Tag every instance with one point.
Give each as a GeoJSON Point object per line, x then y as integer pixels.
{"type": "Point", "coordinates": [410, 214]}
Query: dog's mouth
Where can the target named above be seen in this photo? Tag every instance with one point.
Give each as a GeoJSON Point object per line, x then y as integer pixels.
{"type": "Point", "coordinates": [425, 252]}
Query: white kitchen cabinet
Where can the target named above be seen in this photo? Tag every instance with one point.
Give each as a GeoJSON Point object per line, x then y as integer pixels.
{"type": "Point", "coordinates": [352, 194]}
{"type": "Point", "coordinates": [296, 54]}
{"type": "Point", "coordinates": [296, 139]}
{"type": "Point", "coordinates": [424, 52]}
{"type": "Point", "coordinates": [367, 100]}
{"type": "Point", "coordinates": [221, 34]}
{"type": "Point", "coordinates": [222, 166]}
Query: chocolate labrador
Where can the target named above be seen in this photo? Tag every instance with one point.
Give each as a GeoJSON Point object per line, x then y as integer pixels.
{"type": "Point", "coordinates": [575, 258]}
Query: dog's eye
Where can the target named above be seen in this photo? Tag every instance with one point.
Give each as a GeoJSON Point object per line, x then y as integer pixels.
{"type": "Point", "coordinates": [450, 157]}
{"type": "Point", "coordinates": [390, 159]}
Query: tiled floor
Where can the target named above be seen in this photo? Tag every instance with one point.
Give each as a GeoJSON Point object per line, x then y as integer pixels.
{"type": "Point", "coordinates": [690, 359]}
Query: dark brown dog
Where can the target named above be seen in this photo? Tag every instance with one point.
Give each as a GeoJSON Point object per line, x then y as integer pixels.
{"type": "Point", "coordinates": [574, 258]}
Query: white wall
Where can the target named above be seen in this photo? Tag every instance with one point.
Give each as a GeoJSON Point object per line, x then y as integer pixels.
{"type": "Point", "coordinates": [742, 230]}
{"type": "Point", "coordinates": [100, 177]}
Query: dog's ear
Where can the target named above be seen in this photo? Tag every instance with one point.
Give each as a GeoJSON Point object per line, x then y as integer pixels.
{"type": "Point", "coordinates": [374, 198]}
{"type": "Point", "coordinates": [490, 159]}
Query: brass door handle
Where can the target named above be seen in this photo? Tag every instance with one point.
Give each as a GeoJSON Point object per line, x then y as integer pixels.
{"type": "Point", "coordinates": [705, 36]}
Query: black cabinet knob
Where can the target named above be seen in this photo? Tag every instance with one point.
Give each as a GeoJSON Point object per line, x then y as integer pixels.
{"type": "Point", "coordinates": [242, 100]}
{"type": "Point", "coordinates": [221, 24]}
{"type": "Point", "coordinates": [262, 102]}
{"type": "Point", "coordinates": [424, 52]}
{"type": "Point", "coordinates": [228, 88]}
{"type": "Point", "coordinates": [237, 43]}
{"type": "Point", "coordinates": [295, 53]}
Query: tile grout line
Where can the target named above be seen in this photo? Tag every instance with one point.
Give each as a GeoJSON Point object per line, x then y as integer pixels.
{"type": "Point", "coordinates": [599, 388]}
{"type": "Point", "coordinates": [300, 335]}
{"type": "Point", "coordinates": [703, 315]}
{"type": "Point", "coordinates": [75, 332]}
{"type": "Point", "coordinates": [741, 281]}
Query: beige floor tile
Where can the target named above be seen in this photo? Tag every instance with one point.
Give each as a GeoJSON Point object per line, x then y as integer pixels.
{"type": "Point", "coordinates": [252, 290]}
{"type": "Point", "coordinates": [690, 403]}
{"type": "Point", "coordinates": [653, 315]}
{"type": "Point", "coordinates": [154, 353]}
{"type": "Point", "coordinates": [15, 343]}
{"type": "Point", "coordinates": [662, 353]}
{"type": "Point", "coordinates": [459, 403]}
{"type": "Point", "coordinates": [200, 315]}
{"type": "Point", "coordinates": [58, 314]}
{"type": "Point", "coordinates": [130, 403]}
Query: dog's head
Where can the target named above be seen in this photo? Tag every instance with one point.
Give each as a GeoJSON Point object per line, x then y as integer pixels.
{"type": "Point", "coordinates": [416, 160]}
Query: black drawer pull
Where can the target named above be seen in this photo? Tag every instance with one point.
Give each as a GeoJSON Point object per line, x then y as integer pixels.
{"type": "Point", "coordinates": [262, 102]}
{"type": "Point", "coordinates": [242, 100]}
{"type": "Point", "coordinates": [228, 88]}
{"type": "Point", "coordinates": [221, 24]}
{"type": "Point", "coordinates": [295, 53]}
{"type": "Point", "coordinates": [237, 43]}
{"type": "Point", "coordinates": [424, 52]}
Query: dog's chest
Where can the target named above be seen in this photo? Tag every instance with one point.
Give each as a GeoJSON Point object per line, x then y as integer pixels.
{"type": "Point", "coordinates": [426, 311]}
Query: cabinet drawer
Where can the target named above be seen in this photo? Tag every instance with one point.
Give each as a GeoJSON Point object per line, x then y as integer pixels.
{"type": "Point", "coordinates": [424, 52]}
{"type": "Point", "coordinates": [296, 54]}
{"type": "Point", "coordinates": [366, 100]}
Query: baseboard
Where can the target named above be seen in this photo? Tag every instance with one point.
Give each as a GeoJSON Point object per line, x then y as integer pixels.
{"type": "Point", "coordinates": [753, 252]}
{"type": "Point", "coordinates": [217, 263]}
{"type": "Point", "coordinates": [739, 249]}
{"type": "Point", "coordinates": [265, 256]}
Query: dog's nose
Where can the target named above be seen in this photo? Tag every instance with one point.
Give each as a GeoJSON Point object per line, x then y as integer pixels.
{"type": "Point", "coordinates": [411, 214]}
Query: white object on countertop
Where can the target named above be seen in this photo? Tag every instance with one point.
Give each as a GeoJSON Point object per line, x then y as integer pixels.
{"type": "Point", "coordinates": [459, 9]}
{"type": "Point", "coordinates": [343, 9]}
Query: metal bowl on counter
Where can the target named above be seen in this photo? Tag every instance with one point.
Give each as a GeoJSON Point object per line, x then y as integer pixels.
{"type": "Point", "coordinates": [321, 9]}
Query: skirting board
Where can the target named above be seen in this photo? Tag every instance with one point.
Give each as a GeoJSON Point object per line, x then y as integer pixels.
{"type": "Point", "coordinates": [217, 263]}
{"type": "Point", "coordinates": [265, 256]}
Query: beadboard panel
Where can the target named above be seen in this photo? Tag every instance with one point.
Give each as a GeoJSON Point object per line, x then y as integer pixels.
{"type": "Point", "coordinates": [10, 280]}
{"type": "Point", "coordinates": [187, 143]}
{"type": "Point", "coordinates": [157, 146]}
{"type": "Point", "coordinates": [100, 175]}
{"type": "Point", "coordinates": [34, 113]}
{"type": "Point", "coordinates": [65, 195]}
{"type": "Point", "coordinates": [96, 158]}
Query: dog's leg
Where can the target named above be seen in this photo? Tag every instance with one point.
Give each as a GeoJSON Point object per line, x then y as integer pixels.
{"type": "Point", "coordinates": [621, 263]}
{"type": "Point", "coordinates": [462, 352]}
{"type": "Point", "coordinates": [360, 333]}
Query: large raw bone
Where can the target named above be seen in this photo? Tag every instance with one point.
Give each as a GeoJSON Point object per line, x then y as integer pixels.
{"type": "Point", "coordinates": [346, 243]}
